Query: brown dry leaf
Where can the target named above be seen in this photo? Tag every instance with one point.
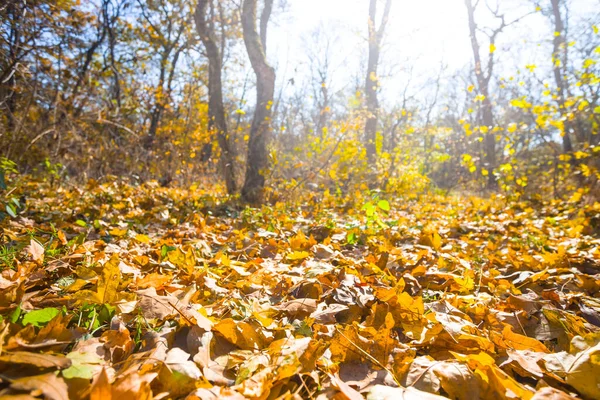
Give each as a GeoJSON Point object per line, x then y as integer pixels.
{"type": "Point", "coordinates": [190, 314]}
{"type": "Point", "coordinates": [584, 373]}
{"type": "Point", "coordinates": [55, 336]}
{"type": "Point", "coordinates": [17, 397]}
{"type": "Point", "coordinates": [50, 385]}
{"type": "Point", "coordinates": [36, 359]}
{"type": "Point", "coordinates": [107, 286]}
{"type": "Point", "coordinates": [325, 313]}
{"type": "Point", "coordinates": [409, 312]}
{"type": "Point", "coordinates": [298, 309]}
{"type": "Point", "coordinates": [292, 356]}
{"type": "Point", "coordinates": [380, 392]}
{"type": "Point", "coordinates": [363, 375]}
{"type": "Point", "coordinates": [154, 280]}
{"type": "Point", "coordinates": [118, 343]}
{"type": "Point", "coordinates": [36, 251]}
{"type": "Point", "coordinates": [346, 390]}
{"type": "Point", "coordinates": [550, 393]}
{"type": "Point", "coordinates": [429, 375]}
{"type": "Point", "coordinates": [185, 260]}
{"type": "Point", "coordinates": [515, 341]}
{"type": "Point", "coordinates": [154, 306]}
{"type": "Point", "coordinates": [241, 334]}
{"type": "Point", "coordinates": [557, 364]}
{"type": "Point", "coordinates": [524, 363]}
{"type": "Point", "coordinates": [431, 238]}
{"type": "Point", "coordinates": [355, 343]}
{"type": "Point", "coordinates": [258, 385]}
{"type": "Point", "coordinates": [134, 386]}
{"type": "Point", "coordinates": [494, 382]}
{"type": "Point", "coordinates": [101, 389]}
{"type": "Point", "coordinates": [178, 375]}
{"type": "Point", "coordinates": [216, 392]}
{"type": "Point", "coordinates": [503, 385]}
{"type": "Point", "coordinates": [178, 360]}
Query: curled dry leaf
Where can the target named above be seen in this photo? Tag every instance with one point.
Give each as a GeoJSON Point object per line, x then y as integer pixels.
{"type": "Point", "coordinates": [299, 308]}
{"type": "Point", "coordinates": [51, 386]}
{"type": "Point", "coordinates": [36, 251]}
{"type": "Point", "coordinates": [35, 359]}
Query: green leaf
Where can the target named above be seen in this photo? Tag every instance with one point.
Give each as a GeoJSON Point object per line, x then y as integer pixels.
{"type": "Point", "coordinates": [11, 211]}
{"type": "Point", "coordinates": [81, 223]}
{"type": "Point", "coordinates": [384, 205]}
{"type": "Point", "coordinates": [79, 371]}
{"type": "Point", "coordinates": [164, 250]}
{"type": "Point", "coordinates": [40, 317]}
{"type": "Point", "coordinates": [369, 209]}
{"type": "Point", "coordinates": [14, 317]}
{"type": "Point", "coordinates": [82, 365]}
{"type": "Point", "coordinates": [351, 238]}
{"type": "Point", "coordinates": [106, 313]}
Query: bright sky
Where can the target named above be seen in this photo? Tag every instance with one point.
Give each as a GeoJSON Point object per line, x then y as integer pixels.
{"type": "Point", "coordinates": [420, 34]}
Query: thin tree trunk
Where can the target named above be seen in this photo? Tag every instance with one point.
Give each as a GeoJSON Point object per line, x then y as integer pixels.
{"type": "Point", "coordinates": [216, 110]}
{"type": "Point", "coordinates": [112, 43]}
{"type": "Point", "coordinates": [257, 164]}
{"type": "Point", "coordinates": [372, 80]}
{"type": "Point", "coordinates": [559, 60]}
{"type": "Point", "coordinates": [487, 116]}
{"type": "Point", "coordinates": [10, 92]}
{"type": "Point", "coordinates": [324, 109]}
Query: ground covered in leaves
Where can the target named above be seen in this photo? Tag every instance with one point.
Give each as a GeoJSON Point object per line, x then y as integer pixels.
{"type": "Point", "coordinates": [119, 291]}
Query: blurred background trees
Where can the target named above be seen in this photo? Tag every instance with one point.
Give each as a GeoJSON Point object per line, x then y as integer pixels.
{"type": "Point", "coordinates": [163, 89]}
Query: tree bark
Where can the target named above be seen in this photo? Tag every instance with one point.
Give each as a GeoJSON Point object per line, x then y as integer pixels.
{"type": "Point", "coordinates": [9, 91]}
{"type": "Point", "coordinates": [483, 80]}
{"type": "Point", "coordinates": [372, 80]}
{"type": "Point", "coordinates": [257, 164]}
{"type": "Point", "coordinates": [559, 61]}
{"type": "Point", "coordinates": [216, 110]}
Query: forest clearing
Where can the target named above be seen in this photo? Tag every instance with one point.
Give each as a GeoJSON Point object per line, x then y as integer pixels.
{"type": "Point", "coordinates": [299, 199]}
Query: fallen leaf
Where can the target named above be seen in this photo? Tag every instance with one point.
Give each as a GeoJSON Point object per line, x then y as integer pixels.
{"type": "Point", "coordinates": [53, 387]}
{"type": "Point", "coordinates": [36, 251]}
{"type": "Point", "coordinates": [36, 359]}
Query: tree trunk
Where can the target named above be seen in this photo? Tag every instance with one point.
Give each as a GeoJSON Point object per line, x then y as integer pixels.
{"type": "Point", "coordinates": [559, 61]}
{"type": "Point", "coordinates": [254, 183]}
{"type": "Point", "coordinates": [216, 111]}
{"type": "Point", "coordinates": [487, 116]}
{"type": "Point", "coordinates": [324, 112]}
{"type": "Point", "coordinates": [9, 91]}
{"type": "Point", "coordinates": [372, 80]}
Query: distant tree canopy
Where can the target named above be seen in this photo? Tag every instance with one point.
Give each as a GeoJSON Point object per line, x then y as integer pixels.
{"type": "Point", "coordinates": [161, 89]}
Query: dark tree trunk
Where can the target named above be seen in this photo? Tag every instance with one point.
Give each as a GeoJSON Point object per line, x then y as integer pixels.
{"type": "Point", "coordinates": [559, 60]}
{"type": "Point", "coordinates": [216, 110]}
{"type": "Point", "coordinates": [487, 115]}
{"type": "Point", "coordinates": [9, 92]}
{"type": "Point", "coordinates": [257, 164]}
{"type": "Point", "coordinates": [372, 80]}
{"type": "Point", "coordinates": [170, 52]}
{"type": "Point", "coordinates": [109, 22]}
{"type": "Point", "coordinates": [156, 113]}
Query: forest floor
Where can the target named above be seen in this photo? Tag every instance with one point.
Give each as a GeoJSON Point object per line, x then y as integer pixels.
{"type": "Point", "coordinates": [119, 291]}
